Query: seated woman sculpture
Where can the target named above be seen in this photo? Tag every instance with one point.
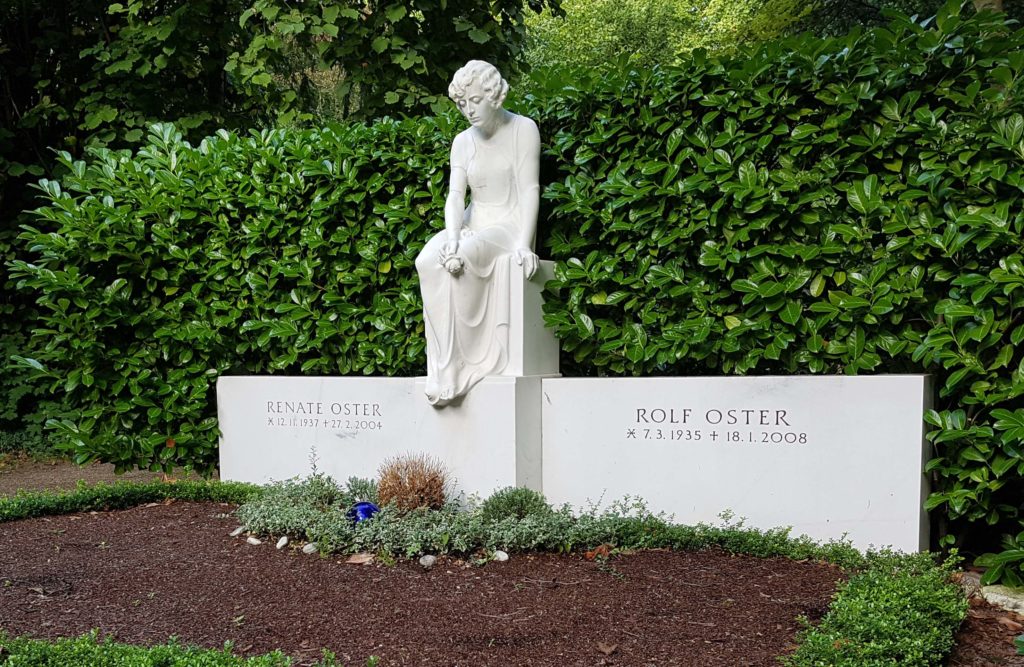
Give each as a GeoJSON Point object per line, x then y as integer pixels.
{"type": "Point", "coordinates": [465, 270]}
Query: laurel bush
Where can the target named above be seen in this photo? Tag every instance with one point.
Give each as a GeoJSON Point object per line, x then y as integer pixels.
{"type": "Point", "coordinates": [275, 252]}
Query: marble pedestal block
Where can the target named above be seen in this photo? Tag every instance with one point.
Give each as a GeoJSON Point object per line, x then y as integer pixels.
{"type": "Point", "coordinates": [832, 457]}
{"type": "Point", "coordinates": [492, 439]}
{"type": "Point", "coordinates": [532, 347]}
{"type": "Point", "coordinates": [275, 428]}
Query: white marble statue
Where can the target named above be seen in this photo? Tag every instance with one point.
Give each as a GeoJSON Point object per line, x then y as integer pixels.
{"type": "Point", "coordinates": [465, 270]}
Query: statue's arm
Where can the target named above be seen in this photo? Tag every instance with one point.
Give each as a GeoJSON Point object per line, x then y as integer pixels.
{"type": "Point", "coordinates": [455, 205]}
{"type": "Point", "coordinates": [528, 176]}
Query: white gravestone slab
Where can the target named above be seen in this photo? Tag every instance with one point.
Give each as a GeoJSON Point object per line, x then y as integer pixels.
{"type": "Point", "coordinates": [272, 425]}
{"type": "Point", "coordinates": [828, 456]}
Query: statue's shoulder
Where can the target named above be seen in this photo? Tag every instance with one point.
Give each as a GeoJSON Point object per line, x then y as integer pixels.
{"type": "Point", "coordinates": [462, 146]}
{"type": "Point", "coordinates": [526, 121]}
{"type": "Point", "coordinates": [527, 134]}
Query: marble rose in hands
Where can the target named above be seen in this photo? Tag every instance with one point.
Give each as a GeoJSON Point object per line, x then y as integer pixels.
{"type": "Point", "coordinates": [465, 270]}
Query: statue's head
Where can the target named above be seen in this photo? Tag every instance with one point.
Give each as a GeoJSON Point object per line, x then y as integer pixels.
{"type": "Point", "coordinates": [478, 79]}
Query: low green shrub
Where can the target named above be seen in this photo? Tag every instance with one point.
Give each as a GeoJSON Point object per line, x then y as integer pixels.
{"type": "Point", "coordinates": [93, 651]}
{"type": "Point", "coordinates": [900, 610]}
{"type": "Point", "coordinates": [29, 442]}
{"type": "Point", "coordinates": [120, 495]}
{"type": "Point", "coordinates": [517, 502]}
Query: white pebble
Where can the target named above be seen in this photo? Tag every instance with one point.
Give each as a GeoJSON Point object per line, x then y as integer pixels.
{"type": "Point", "coordinates": [237, 531]}
{"type": "Point", "coordinates": [283, 542]}
{"type": "Point", "coordinates": [253, 541]}
{"type": "Point", "coordinates": [310, 548]}
{"type": "Point", "coordinates": [500, 556]}
{"type": "Point", "coordinates": [428, 561]}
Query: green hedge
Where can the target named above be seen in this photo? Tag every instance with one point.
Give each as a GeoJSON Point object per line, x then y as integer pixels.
{"type": "Point", "coordinates": [817, 206]}
{"type": "Point", "coordinates": [276, 252]}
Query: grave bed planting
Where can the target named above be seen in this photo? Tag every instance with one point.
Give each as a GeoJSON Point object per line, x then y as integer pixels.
{"type": "Point", "coordinates": [142, 563]}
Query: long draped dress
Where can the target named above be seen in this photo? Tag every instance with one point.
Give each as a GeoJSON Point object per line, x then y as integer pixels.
{"type": "Point", "coordinates": [466, 316]}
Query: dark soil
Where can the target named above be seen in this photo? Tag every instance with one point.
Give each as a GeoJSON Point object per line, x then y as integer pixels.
{"type": "Point", "coordinates": [986, 638]}
{"type": "Point", "coordinates": [145, 574]}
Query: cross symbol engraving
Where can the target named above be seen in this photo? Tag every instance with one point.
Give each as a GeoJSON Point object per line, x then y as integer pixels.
{"type": "Point", "coordinates": [631, 433]}
{"type": "Point", "coordinates": [270, 421]}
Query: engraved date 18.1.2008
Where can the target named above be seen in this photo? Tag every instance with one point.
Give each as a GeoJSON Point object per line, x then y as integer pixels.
{"type": "Point", "coordinates": [716, 436]}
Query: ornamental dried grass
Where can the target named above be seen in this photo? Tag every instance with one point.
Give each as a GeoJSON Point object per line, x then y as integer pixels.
{"type": "Point", "coordinates": [413, 480]}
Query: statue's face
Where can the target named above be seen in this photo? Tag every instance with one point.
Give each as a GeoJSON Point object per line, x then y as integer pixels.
{"type": "Point", "coordinates": [477, 107]}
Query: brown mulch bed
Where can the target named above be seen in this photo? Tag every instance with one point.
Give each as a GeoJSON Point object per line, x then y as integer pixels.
{"type": "Point", "coordinates": [71, 574]}
{"type": "Point", "coordinates": [171, 569]}
{"type": "Point", "coordinates": [986, 638]}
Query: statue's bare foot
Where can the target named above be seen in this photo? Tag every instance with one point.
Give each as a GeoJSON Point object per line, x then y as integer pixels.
{"type": "Point", "coordinates": [433, 391]}
{"type": "Point", "coordinates": [448, 382]}
{"type": "Point", "coordinates": [437, 394]}
{"type": "Point", "coordinates": [442, 397]}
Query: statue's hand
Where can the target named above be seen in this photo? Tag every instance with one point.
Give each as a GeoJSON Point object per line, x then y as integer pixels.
{"type": "Point", "coordinates": [450, 247]}
{"type": "Point", "coordinates": [449, 258]}
{"type": "Point", "coordinates": [527, 259]}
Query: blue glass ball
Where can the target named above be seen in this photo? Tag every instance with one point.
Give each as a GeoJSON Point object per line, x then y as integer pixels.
{"type": "Point", "coordinates": [362, 511]}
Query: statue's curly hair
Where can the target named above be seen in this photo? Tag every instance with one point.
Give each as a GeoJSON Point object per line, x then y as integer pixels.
{"type": "Point", "coordinates": [490, 79]}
